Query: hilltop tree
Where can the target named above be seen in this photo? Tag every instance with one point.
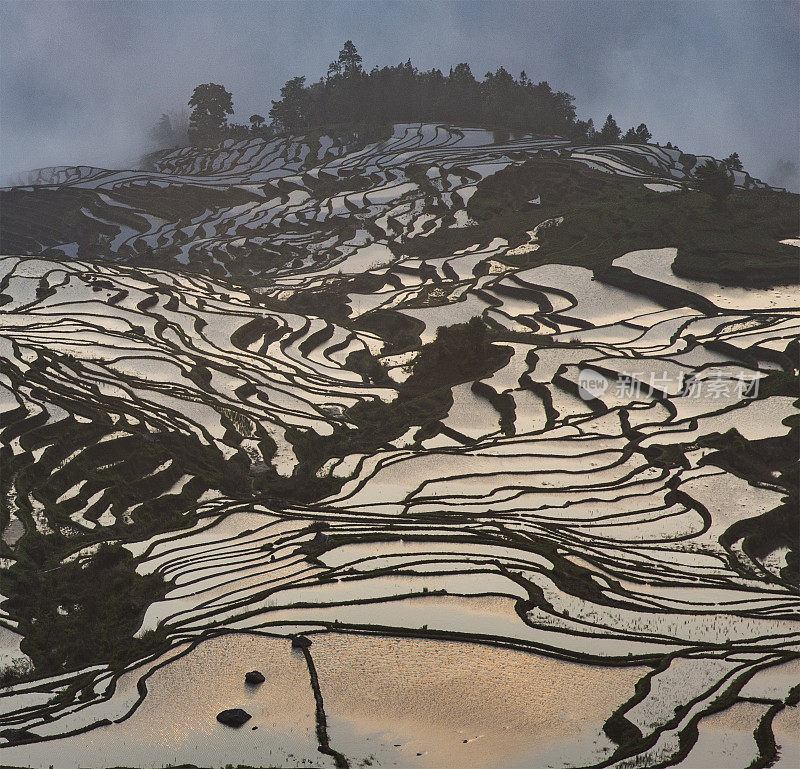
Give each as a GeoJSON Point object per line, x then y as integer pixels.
{"type": "Point", "coordinates": [349, 59]}
{"type": "Point", "coordinates": [352, 100]}
{"type": "Point", "coordinates": [462, 92]}
{"type": "Point", "coordinates": [733, 162]}
{"type": "Point", "coordinates": [638, 135]}
{"type": "Point", "coordinates": [715, 180]}
{"type": "Point", "coordinates": [290, 112]}
{"type": "Point", "coordinates": [348, 63]}
{"type": "Point", "coordinates": [610, 132]}
{"type": "Point", "coordinates": [256, 121]}
{"type": "Point", "coordinates": [171, 130]}
{"type": "Point", "coordinates": [237, 131]}
{"type": "Point", "coordinates": [368, 102]}
{"type": "Point", "coordinates": [500, 92]}
{"type": "Point", "coordinates": [212, 104]}
{"type": "Point", "coordinates": [584, 132]}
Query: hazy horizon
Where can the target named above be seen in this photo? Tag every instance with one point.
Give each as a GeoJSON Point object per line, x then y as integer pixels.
{"type": "Point", "coordinates": [82, 82]}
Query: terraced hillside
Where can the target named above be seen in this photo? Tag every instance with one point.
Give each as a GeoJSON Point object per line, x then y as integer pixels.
{"type": "Point", "coordinates": [507, 429]}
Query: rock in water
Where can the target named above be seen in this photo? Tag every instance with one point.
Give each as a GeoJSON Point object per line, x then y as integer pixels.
{"type": "Point", "coordinates": [254, 677]}
{"type": "Point", "coordinates": [300, 642]}
{"type": "Point", "coordinates": [233, 717]}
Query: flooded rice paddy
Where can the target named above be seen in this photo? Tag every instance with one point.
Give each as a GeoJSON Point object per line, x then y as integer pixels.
{"type": "Point", "coordinates": [565, 568]}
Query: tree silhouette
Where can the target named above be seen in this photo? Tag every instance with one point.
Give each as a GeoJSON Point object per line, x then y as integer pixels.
{"type": "Point", "coordinates": [733, 162]}
{"type": "Point", "coordinates": [349, 59]}
{"type": "Point", "coordinates": [290, 112]}
{"type": "Point", "coordinates": [211, 103]}
{"type": "Point", "coordinates": [714, 180]}
{"type": "Point", "coordinates": [638, 135]}
{"type": "Point", "coordinates": [462, 93]}
{"type": "Point", "coordinates": [351, 98]}
{"type": "Point", "coordinates": [348, 64]}
{"type": "Point", "coordinates": [610, 132]}
{"type": "Point", "coordinates": [583, 132]}
{"type": "Point", "coordinates": [237, 131]}
{"type": "Point", "coordinates": [351, 101]}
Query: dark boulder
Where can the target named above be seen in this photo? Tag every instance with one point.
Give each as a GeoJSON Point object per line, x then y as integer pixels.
{"type": "Point", "coordinates": [300, 642]}
{"type": "Point", "coordinates": [254, 677]}
{"type": "Point", "coordinates": [233, 717]}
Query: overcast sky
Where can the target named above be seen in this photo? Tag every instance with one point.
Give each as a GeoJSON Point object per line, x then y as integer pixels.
{"type": "Point", "coordinates": [80, 82]}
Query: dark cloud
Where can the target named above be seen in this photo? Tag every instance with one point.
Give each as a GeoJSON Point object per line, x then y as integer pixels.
{"type": "Point", "coordinates": [81, 82]}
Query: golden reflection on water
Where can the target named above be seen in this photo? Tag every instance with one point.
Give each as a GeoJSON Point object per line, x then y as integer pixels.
{"type": "Point", "coordinates": [726, 738]}
{"type": "Point", "coordinates": [209, 679]}
{"type": "Point", "coordinates": [406, 702]}
{"type": "Point", "coordinates": [461, 704]}
{"type": "Point", "coordinates": [176, 723]}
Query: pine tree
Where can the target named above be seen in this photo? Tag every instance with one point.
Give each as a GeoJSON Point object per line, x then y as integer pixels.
{"type": "Point", "coordinates": [348, 63]}
{"type": "Point", "coordinates": [733, 162]}
{"type": "Point", "coordinates": [610, 132]}
{"type": "Point", "coordinates": [638, 135]}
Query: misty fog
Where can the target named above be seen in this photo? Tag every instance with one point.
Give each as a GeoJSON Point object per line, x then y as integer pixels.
{"type": "Point", "coordinates": [83, 82]}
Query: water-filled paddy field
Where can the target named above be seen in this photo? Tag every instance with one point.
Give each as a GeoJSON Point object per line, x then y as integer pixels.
{"type": "Point", "coordinates": [558, 533]}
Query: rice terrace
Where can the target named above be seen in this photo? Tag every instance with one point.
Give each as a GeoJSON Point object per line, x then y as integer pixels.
{"type": "Point", "coordinates": [400, 435]}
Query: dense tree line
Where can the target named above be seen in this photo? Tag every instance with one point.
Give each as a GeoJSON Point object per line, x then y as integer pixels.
{"type": "Point", "coordinates": [349, 98]}
{"type": "Point", "coordinates": [349, 95]}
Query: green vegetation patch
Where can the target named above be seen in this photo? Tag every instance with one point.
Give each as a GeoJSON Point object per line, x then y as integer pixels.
{"type": "Point", "coordinates": [79, 613]}
{"type": "Point", "coordinates": [606, 216]}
